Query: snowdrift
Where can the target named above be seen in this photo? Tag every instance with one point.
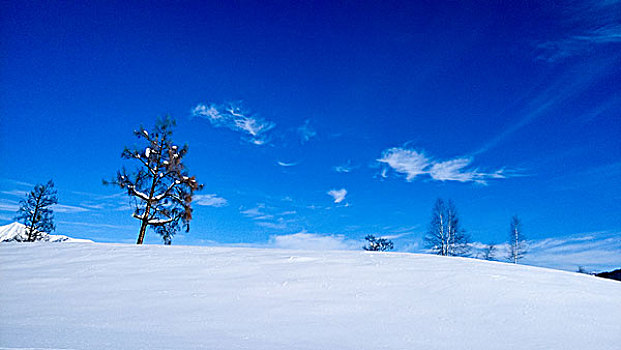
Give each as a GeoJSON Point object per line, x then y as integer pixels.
{"type": "Point", "coordinates": [114, 296]}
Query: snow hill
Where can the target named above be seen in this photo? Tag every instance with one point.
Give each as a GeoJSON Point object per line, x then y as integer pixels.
{"type": "Point", "coordinates": [17, 232]}
{"type": "Point", "coordinates": [115, 296]}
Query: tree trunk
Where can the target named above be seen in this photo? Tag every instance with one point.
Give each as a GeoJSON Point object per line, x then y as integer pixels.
{"type": "Point", "coordinates": [33, 220]}
{"type": "Point", "coordinates": [515, 246]}
{"type": "Point", "coordinates": [145, 219]}
{"type": "Point", "coordinates": [143, 228]}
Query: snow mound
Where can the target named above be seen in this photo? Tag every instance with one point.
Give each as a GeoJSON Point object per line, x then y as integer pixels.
{"type": "Point", "coordinates": [16, 232]}
{"type": "Point", "coordinates": [115, 296]}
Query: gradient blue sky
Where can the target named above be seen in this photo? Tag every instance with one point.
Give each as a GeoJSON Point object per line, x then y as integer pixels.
{"type": "Point", "coordinates": [505, 108]}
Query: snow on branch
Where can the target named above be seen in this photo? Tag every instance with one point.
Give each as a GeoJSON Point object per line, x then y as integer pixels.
{"type": "Point", "coordinates": [162, 189]}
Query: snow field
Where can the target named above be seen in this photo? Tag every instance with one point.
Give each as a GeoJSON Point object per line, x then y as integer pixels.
{"type": "Point", "coordinates": [103, 296]}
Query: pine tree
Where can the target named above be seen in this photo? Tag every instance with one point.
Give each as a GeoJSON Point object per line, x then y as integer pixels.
{"type": "Point", "coordinates": [445, 237]}
{"type": "Point", "coordinates": [161, 188]}
{"type": "Point", "coordinates": [517, 243]}
{"type": "Point", "coordinates": [35, 211]}
{"type": "Point", "coordinates": [378, 244]}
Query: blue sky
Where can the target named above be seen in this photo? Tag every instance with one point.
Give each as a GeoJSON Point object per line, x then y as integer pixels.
{"type": "Point", "coordinates": [504, 108]}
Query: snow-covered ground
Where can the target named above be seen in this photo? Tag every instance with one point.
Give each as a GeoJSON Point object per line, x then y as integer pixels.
{"type": "Point", "coordinates": [115, 296]}
{"type": "Point", "coordinates": [17, 232]}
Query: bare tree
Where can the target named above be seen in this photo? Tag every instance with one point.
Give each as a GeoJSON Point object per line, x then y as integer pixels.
{"type": "Point", "coordinates": [489, 252]}
{"type": "Point", "coordinates": [161, 187]}
{"type": "Point", "coordinates": [35, 211]}
{"type": "Point", "coordinates": [517, 243]}
{"type": "Point", "coordinates": [582, 269]}
{"type": "Point", "coordinates": [378, 244]}
{"type": "Point", "coordinates": [445, 237]}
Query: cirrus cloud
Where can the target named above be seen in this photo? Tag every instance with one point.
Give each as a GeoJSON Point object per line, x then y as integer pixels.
{"type": "Point", "coordinates": [345, 168]}
{"type": "Point", "coordinates": [306, 132]}
{"type": "Point", "coordinates": [209, 200]}
{"type": "Point", "coordinates": [233, 117]}
{"type": "Point", "coordinates": [587, 25]}
{"type": "Point", "coordinates": [286, 165]}
{"type": "Point", "coordinates": [338, 195]}
{"type": "Point", "coordinates": [413, 163]}
{"type": "Point", "coordinates": [406, 161]}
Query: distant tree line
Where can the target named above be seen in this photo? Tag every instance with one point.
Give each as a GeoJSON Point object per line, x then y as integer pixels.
{"type": "Point", "coordinates": [446, 237]}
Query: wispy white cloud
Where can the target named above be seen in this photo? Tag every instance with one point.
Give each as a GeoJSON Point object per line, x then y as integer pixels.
{"type": "Point", "coordinates": [413, 163]}
{"type": "Point", "coordinates": [257, 213]}
{"type": "Point", "coordinates": [96, 225]}
{"type": "Point", "coordinates": [406, 161]}
{"type": "Point", "coordinates": [313, 241]}
{"type": "Point", "coordinates": [392, 232]}
{"type": "Point", "coordinates": [209, 200]}
{"type": "Point", "coordinates": [102, 202]}
{"type": "Point", "coordinates": [338, 195]}
{"type": "Point", "coordinates": [582, 43]}
{"type": "Point", "coordinates": [556, 95]}
{"type": "Point", "coordinates": [262, 217]}
{"type": "Point", "coordinates": [118, 205]}
{"type": "Point", "coordinates": [585, 25]}
{"type": "Point", "coordinates": [286, 165]}
{"type": "Point", "coordinates": [306, 132]}
{"type": "Point", "coordinates": [279, 224]}
{"type": "Point", "coordinates": [595, 251]}
{"type": "Point", "coordinates": [452, 170]}
{"type": "Point", "coordinates": [8, 205]}
{"type": "Point", "coordinates": [98, 196]}
{"type": "Point", "coordinates": [607, 34]}
{"type": "Point", "coordinates": [123, 207]}
{"type": "Point", "coordinates": [233, 117]}
{"type": "Point", "coordinates": [344, 168]}
{"type": "Point", "coordinates": [456, 170]}
{"type": "Point", "coordinates": [16, 193]}
{"type": "Point", "coordinates": [394, 236]}
{"type": "Point", "coordinates": [16, 182]}
{"type": "Point", "coordinates": [68, 209]}
{"type": "Point", "coordinates": [611, 106]}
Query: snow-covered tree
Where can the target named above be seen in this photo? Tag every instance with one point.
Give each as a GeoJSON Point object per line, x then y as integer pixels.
{"type": "Point", "coordinates": [35, 211]}
{"type": "Point", "coordinates": [378, 244]}
{"type": "Point", "coordinates": [445, 237]}
{"type": "Point", "coordinates": [517, 243]}
{"type": "Point", "coordinates": [161, 188]}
